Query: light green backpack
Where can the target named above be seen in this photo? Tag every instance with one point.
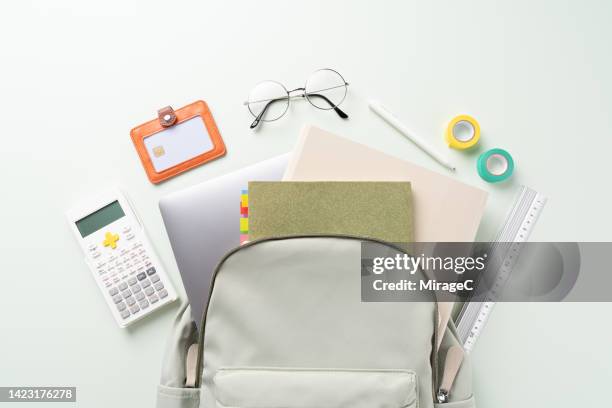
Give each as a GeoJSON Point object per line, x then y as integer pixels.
{"type": "Point", "coordinates": [285, 327]}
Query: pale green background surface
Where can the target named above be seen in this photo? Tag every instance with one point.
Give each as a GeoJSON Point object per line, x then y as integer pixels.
{"type": "Point", "coordinates": [76, 76]}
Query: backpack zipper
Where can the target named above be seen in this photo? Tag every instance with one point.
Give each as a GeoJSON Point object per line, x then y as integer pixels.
{"type": "Point", "coordinates": [198, 383]}
{"type": "Point", "coordinates": [452, 363]}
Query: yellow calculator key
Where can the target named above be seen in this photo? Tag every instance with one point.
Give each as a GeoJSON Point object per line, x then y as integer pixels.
{"type": "Point", "coordinates": [110, 240]}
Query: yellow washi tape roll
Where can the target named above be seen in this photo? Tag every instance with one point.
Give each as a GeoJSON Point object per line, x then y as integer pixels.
{"type": "Point", "coordinates": [462, 132]}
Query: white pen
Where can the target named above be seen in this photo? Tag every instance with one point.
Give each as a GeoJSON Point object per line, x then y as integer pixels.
{"type": "Point", "coordinates": [400, 127]}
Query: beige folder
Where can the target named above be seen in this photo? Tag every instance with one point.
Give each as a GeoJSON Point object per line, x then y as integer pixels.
{"type": "Point", "coordinates": [444, 209]}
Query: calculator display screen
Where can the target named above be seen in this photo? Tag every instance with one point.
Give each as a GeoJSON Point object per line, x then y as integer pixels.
{"type": "Point", "coordinates": [100, 218]}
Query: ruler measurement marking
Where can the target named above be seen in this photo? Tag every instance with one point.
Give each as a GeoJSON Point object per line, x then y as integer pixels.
{"type": "Point", "coordinates": [515, 231]}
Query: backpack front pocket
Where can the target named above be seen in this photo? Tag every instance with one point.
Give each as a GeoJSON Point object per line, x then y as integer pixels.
{"type": "Point", "coordinates": [309, 388]}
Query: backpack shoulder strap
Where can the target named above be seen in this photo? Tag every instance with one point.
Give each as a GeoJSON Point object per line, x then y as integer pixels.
{"type": "Point", "coordinates": [445, 310]}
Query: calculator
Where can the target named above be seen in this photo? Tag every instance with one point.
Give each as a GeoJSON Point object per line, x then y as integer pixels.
{"type": "Point", "coordinates": [120, 256]}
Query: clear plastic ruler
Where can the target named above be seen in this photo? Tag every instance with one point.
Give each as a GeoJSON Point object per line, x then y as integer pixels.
{"type": "Point", "coordinates": [504, 253]}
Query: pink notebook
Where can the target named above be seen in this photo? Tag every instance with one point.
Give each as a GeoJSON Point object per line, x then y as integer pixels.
{"type": "Point", "coordinates": [444, 209]}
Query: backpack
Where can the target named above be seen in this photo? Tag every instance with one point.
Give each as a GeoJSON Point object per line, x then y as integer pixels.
{"type": "Point", "coordinates": [285, 327]}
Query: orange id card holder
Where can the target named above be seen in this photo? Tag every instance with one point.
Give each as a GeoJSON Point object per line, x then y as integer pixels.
{"type": "Point", "coordinates": [177, 141]}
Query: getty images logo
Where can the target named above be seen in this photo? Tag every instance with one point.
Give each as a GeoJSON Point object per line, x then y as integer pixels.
{"type": "Point", "coordinates": [405, 262]}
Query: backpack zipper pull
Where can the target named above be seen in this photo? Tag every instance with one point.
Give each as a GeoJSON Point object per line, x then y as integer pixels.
{"type": "Point", "coordinates": [454, 358]}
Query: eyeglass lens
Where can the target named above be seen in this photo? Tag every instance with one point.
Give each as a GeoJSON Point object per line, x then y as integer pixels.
{"type": "Point", "coordinates": [325, 89]}
{"type": "Point", "coordinates": [268, 97]}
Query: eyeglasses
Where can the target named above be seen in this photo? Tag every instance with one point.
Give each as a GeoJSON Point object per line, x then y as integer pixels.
{"type": "Point", "coordinates": [325, 89]}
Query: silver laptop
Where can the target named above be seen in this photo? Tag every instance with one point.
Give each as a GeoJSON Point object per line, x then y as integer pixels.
{"type": "Point", "coordinates": [203, 223]}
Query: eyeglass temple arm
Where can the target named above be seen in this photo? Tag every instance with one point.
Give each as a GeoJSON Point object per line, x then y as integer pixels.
{"type": "Point", "coordinates": [339, 111]}
{"type": "Point", "coordinates": [258, 118]}
{"type": "Point", "coordinates": [263, 111]}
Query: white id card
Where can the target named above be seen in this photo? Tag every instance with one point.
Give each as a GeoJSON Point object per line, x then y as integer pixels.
{"type": "Point", "coordinates": [178, 144]}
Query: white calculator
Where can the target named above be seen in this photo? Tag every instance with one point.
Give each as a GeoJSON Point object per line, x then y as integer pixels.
{"type": "Point", "coordinates": [119, 254]}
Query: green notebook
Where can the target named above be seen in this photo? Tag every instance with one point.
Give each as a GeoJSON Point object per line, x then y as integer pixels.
{"type": "Point", "coordinates": [372, 209]}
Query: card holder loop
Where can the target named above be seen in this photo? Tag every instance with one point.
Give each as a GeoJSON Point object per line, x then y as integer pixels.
{"type": "Point", "coordinates": [166, 116]}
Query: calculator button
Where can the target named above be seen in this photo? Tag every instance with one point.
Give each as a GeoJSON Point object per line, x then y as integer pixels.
{"type": "Point", "coordinates": [132, 281]}
{"type": "Point", "coordinates": [136, 288]}
{"type": "Point", "coordinates": [162, 293]}
{"type": "Point", "coordinates": [129, 236]}
{"type": "Point", "coordinates": [141, 276]}
{"type": "Point", "coordinates": [145, 283]}
{"type": "Point", "coordinates": [95, 255]}
{"type": "Point", "coordinates": [121, 306]}
{"type": "Point", "coordinates": [140, 296]}
{"type": "Point", "coordinates": [134, 309]}
{"type": "Point", "coordinates": [130, 301]}
{"type": "Point", "coordinates": [110, 240]}
{"type": "Point", "coordinates": [154, 278]}
{"type": "Point", "coordinates": [126, 293]}
{"type": "Point", "coordinates": [153, 298]}
{"type": "Point", "coordinates": [126, 229]}
{"type": "Point", "coordinates": [113, 291]}
{"type": "Point", "coordinates": [151, 271]}
{"type": "Point", "coordinates": [117, 298]}
{"type": "Point", "coordinates": [125, 314]}
{"type": "Point", "coordinates": [122, 286]}
{"type": "Point", "coordinates": [149, 291]}
{"type": "Point", "coordinates": [158, 286]}
{"type": "Point", "coordinates": [143, 304]}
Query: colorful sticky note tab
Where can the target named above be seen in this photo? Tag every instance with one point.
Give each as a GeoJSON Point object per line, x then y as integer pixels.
{"type": "Point", "coordinates": [244, 225]}
{"type": "Point", "coordinates": [244, 200]}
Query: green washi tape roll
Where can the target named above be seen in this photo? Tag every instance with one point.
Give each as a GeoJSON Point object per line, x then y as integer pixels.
{"type": "Point", "coordinates": [495, 165]}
